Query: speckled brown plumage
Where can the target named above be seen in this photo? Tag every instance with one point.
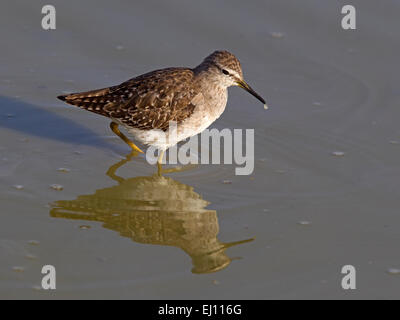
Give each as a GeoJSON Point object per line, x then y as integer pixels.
{"type": "Point", "coordinates": [149, 101]}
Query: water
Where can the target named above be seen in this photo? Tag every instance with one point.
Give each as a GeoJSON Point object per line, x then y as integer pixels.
{"type": "Point", "coordinates": [116, 230]}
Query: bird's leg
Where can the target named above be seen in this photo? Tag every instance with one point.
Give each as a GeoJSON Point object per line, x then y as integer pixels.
{"type": "Point", "coordinates": [114, 128]}
{"type": "Point", "coordinates": [159, 162]}
{"type": "Point", "coordinates": [160, 157]}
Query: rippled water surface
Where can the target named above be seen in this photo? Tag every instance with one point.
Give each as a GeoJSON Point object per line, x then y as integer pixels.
{"type": "Point", "coordinates": [324, 193]}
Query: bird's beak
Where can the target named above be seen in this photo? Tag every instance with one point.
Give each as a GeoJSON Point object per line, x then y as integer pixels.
{"type": "Point", "coordinates": [245, 86]}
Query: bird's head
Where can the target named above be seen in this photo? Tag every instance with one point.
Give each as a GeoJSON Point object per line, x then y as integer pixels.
{"type": "Point", "coordinates": [228, 70]}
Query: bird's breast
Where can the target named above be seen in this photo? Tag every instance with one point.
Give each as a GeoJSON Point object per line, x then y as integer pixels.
{"type": "Point", "coordinates": [215, 102]}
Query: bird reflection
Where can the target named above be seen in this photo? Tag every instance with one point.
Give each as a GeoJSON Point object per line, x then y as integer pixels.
{"type": "Point", "coordinates": [154, 210]}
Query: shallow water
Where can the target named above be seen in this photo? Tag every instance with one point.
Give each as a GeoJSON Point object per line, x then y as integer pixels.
{"type": "Point", "coordinates": [324, 194]}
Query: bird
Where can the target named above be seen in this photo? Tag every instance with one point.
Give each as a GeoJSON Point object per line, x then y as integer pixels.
{"type": "Point", "coordinates": [148, 105]}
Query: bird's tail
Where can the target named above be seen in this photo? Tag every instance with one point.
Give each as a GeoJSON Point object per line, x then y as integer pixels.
{"type": "Point", "coordinates": [87, 99]}
{"type": "Point", "coordinates": [101, 101]}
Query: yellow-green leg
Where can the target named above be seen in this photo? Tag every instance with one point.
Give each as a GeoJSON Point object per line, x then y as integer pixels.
{"type": "Point", "coordinates": [114, 128]}
{"type": "Point", "coordinates": [159, 162]}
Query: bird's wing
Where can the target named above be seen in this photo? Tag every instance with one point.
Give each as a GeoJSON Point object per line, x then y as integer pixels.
{"type": "Point", "coordinates": [149, 101]}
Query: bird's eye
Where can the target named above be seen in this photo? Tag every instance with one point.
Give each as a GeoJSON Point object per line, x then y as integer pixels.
{"type": "Point", "coordinates": [225, 72]}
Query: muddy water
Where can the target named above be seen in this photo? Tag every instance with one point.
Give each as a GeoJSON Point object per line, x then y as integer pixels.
{"type": "Point", "coordinates": [324, 193]}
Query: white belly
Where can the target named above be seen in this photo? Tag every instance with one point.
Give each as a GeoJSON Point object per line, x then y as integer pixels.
{"type": "Point", "coordinates": [208, 109]}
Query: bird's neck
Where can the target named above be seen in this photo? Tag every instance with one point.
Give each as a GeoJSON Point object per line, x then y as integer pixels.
{"type": "Point", "coordinates": [208, 75]}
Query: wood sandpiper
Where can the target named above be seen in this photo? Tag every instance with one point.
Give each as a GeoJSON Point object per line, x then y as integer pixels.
{"type": "Point", "coordinates": [147, 105]}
